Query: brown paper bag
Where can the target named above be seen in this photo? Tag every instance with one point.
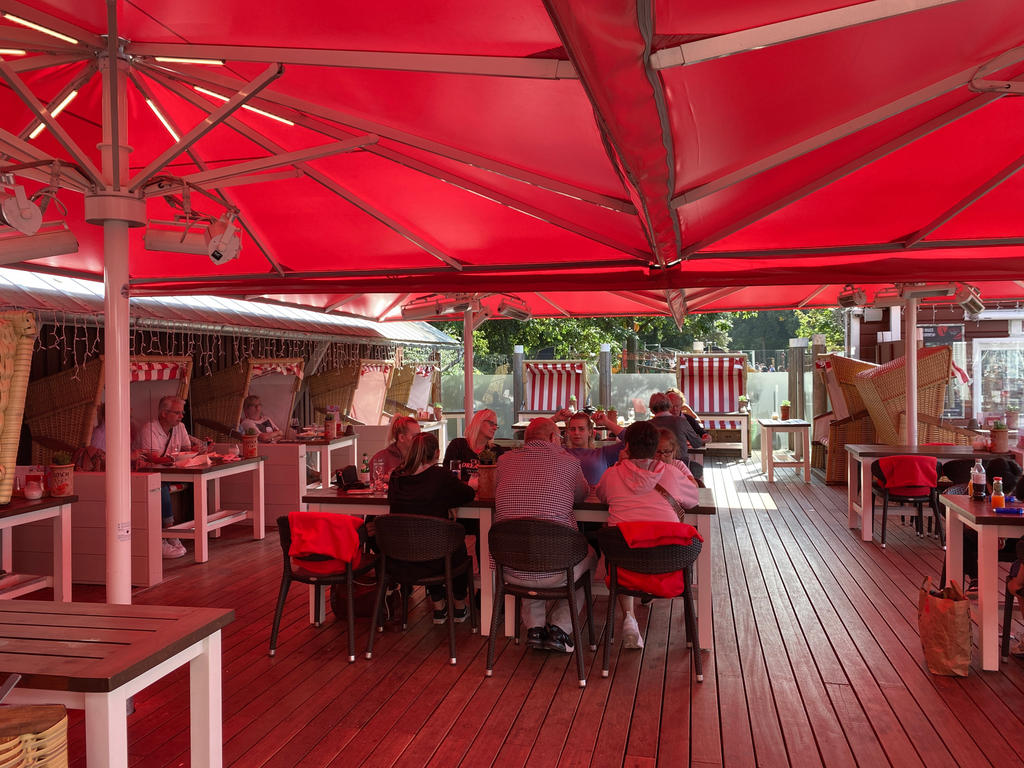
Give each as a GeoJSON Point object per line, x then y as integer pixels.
{"type": "Point", "coordinates": [945, 626]}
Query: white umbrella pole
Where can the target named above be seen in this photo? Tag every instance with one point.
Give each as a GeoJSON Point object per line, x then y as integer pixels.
{"type": "Point", "coordinates": [467, 356]}
{"type": "Point", "coordinates": [910, 344]}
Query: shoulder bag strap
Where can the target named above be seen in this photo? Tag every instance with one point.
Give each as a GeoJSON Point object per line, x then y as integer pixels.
{"type": "Point", "coordinates": [679, 509]}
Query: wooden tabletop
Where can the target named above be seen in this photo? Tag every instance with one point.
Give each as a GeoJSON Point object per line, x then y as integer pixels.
{"type": "Point", "coordinates": [20, 505]}
{"type": "Point", "coordinates": [783, 423]}
{"type": "Point", "coordinates": [169, 468]}
{"type": "Point", "coordinates": [705, 506]}
{"type": "Point", "coordinates": [980, 511]}
{"type": "Point", "coordinates": [871, 451]}
{"type": "Point", "coordinates": [96, 647]}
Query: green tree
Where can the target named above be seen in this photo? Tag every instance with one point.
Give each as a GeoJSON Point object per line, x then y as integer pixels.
{"type": "Point", "coordinates": [828, 321]}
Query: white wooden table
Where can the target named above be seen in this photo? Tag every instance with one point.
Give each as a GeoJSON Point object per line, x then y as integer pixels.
{"type": "Point", "coordinates": [207, 522]}
{"type": "Point", "coordinates": [770, 460]}
{"type": "Point", "coordinates": [961, 511]}
{"type": "Point", "coordinates": [19, 511]}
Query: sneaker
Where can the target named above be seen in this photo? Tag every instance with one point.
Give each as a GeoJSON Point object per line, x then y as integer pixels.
{"type": "Point", "coordinates": [631, 637]}
{"type": "Point", "coordinates": [172, 548]}
{"type": "Point", "coordinates": [536, 638]}
{"type": "Point", "coordinates": [461, 614]}
{"type": "Point", "coordinates": [440, 612]}
{"type": "Point", "coordinates": [558, 640]}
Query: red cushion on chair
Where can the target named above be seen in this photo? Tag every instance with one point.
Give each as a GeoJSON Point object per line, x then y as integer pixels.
{"type": "Point", "coordinates": [323, 533]}
{"type": "Point", "coordinates": [640, 534]}
{"type": "Point", "coordinates": [907, 472]}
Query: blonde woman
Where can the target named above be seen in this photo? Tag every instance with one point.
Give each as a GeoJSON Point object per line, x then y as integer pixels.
{"type": "Point", "coordinates": [479, 435]}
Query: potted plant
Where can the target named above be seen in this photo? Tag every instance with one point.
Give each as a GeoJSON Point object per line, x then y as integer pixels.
{"type": "Point", "coordinates": [1000, 437]}
{"type": "Point", "coordinates": [1012, 416]}
{"type": "Point", "coordinates": [784, 410]}
{"type": "Point", "coordinates": [250, 443]}
{"type": "Point", "coordinates": [486, 474]}
{"type": "Point", "coordinates": [438, 412]}
{"type": "Point", "coordinates": [744, 403]}
{"type": "Point", "coordinates": [62, 474]}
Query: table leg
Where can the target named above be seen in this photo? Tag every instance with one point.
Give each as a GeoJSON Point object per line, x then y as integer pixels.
{"type": "Point", "coordinates": [7, 549]}
{"type": "Point", "coordinates": [62, 554]}
{"type": "Point", "coordinates": [106, 730]}
{"type": "Point", "coordinates": [954, 546]}
{"type": "Point", "coordinates": [704, 628]}
{"type": "Point", "coordinates": [807, 454]}
{"type": "Point", "coordinates": [205, 723]}
{"type": "Point", "coordinates": [325, 466]}
{"type": "Point", "coordinates": [486, 574]}
{"type": "Point", "coordinates": [199, 497]}
{"type": "Point", "coordinates": [259, 529]}
{"type": "Point", "coordinates": [766, 446]}
{"type": "Point", "coordinates": [988, 596]}
{"type": "Point", "coordinates": [866, 523]}
{"type": "Point", "coordinates": [771, 455]}
{"type": "Point", "coordinates": [852, 510]}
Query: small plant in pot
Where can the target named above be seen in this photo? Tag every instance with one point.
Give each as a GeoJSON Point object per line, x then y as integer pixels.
{"type": "Point", "coordinates": [62, 474]}
{"type": "Point", "coordinates": [784, 407]}
{"type": "Point", "coordinates": [438, 412]}
{"type": "Point", "coordinates": [250, 443]}
{"type": "Point", "coordinates": [744, 403]}
{"type": "Point", "coordinates": [1000, 437]}
{"type": "Point", "coordinates": [1012, 416]}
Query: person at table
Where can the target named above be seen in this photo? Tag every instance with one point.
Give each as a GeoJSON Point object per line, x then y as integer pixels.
{"type": "Point", "coordinates": [667, 450]}
{"type": "Point", "coordinates": [479, 435]}
{"type": "Point", "coordinates": [160, 438]}
{"type": "Point", "coordinates": [662, 418]}
{"type": "Point", "coordinates": [579, 441]}
{"type": "Point", "coordinates": [420, 487]}
{"type": "Point", "coordinates": [541, 481]}
{"type": "Point", "coordinates": [679, 407]}
{"type": "Point", "coordinates": [400, 436]}
{"type": "Point", "coordinates": [254, 418]}
{"type": "Point", "coordinates": [634, 490]}
{"type": "Point", "coordinates": [1015, 586]}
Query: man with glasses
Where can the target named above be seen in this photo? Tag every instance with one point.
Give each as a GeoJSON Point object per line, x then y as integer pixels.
{"type": "Point", "coordinates": [159, 440]}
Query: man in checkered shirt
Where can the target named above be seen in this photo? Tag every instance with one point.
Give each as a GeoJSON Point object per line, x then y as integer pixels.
{"type": "Point", "coordinates": [542, 481]}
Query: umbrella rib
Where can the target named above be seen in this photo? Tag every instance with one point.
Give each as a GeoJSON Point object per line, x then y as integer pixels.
{"type": "Point", "coordinates": [214, 118]}
{"type": "Point", "coordinates": [326, 182]}
{"type": "Point", "coordinates": [45, 60]}
{"type": "Point", "coordinates": [635, 297]}
{"type": "Point", "coordinates": [225, 198]}
{"type": "Point", "coordinates": [553, 304]}
{"type": "Point", "coordinates": [197, 75]}
{"type": "Point", "coordinates": [43, 113]}
{"type": "Point", "coordinates": [401, 297]}
{"type": "Point", "coordinates": [83, 36]}
{"type": "Point", "coordinates": [812, 295]}
{"type": "Point", "coordinates": [112, 97]}
{"type": "Point", "coordinates": [490, 66]}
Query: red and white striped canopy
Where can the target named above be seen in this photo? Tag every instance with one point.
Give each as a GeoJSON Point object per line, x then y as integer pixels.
{"type": "Point", "coordinates": [550, 385]}
{"type": "Point", "coordinates": [369, 368]}
{"type": "Point", "coordinates": [150, 371]}
{"type": "Point", "coordinates": [282, 368]}
{"type": "Point", "coordinates": [713, 383]}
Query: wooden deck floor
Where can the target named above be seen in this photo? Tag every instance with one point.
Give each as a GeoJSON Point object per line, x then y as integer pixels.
{"type": "Point", "coordinates": [817, 661]}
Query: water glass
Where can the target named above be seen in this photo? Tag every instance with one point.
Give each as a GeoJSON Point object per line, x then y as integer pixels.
{"type": "Point", "coordinates": [377, 474]}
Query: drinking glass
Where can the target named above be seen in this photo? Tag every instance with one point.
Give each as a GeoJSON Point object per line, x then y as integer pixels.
{"type": "Point", "coordinates": [377, 473]}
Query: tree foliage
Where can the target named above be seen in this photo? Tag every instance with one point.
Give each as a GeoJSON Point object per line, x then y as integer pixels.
{"type": "Point", "coordinates": [828, 321]}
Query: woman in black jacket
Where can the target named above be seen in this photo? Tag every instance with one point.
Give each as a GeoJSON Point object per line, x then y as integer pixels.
{"type": "Point", "coordinates": [420, 487]}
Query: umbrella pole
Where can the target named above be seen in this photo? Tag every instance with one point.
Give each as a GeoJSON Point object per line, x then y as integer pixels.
{"type": "Point", "coordinates": [467, 357]}
{"type": "Point", "coordinates": [910, 344]}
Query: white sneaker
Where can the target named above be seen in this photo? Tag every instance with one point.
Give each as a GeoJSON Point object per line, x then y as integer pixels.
{"type": "Point", "coordinates": [173, 548]}
{"type": "Point", "coordinates": [631, 633]}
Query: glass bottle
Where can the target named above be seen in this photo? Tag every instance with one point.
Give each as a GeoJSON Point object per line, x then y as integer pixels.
{"type": "Point", "coordinates": [998, 498]}
{"type": "Point", "coordinates": [978, 490]}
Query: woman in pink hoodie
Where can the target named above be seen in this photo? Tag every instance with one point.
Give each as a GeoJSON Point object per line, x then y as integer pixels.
{"type": "Point", "coordinates": [635, 489]}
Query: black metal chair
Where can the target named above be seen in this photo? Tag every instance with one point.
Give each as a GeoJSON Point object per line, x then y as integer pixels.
{"type": "Point", "coordinates": [667, 558]}
{"type": "Point", "coordinates": [882, 487]}
{"type": "Point", "coordinates": [417, 539]}
{"type": "Point", "coordinates": [1018, 564]}
{"type": "Point", "coordinates": [318, 581]}
{"type": "Point", "coordinates": [539, 546]}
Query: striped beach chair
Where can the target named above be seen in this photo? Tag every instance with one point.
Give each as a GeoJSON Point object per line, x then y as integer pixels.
{"type": "Point", "coordinates": [217, 398]}
{"type": "Point", "coordinates": [550, 384]}
{"type": "Point", "coordinates": [713, 384]}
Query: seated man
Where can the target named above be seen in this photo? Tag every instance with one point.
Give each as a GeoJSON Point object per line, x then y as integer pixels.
{"type": "Point", "coordinates": [637, 489]}
{"type": "Point", "coordinates": [253, 418]}
{"type": "Point", "coordinates": [540, 481]}
{"type": "Point", "coordinates": [579, 441]}
{"type": "Point", "coordinates": [662, 418]}
{"type": "Point", "coordinates": [163, 436]}
{"type": "Point", "coordinates": [400, 436]}
{"type": "Point", "coordinates": [679, 407]}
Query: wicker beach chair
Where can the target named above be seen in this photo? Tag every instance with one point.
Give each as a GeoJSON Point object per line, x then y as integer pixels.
{"type": "Point", "coordinates": [61, 409]}
{"type": "Point", "coordinates": [550, 383]}
{"type": "Point", "coordinates": [849, 419]}
{"type": "Point", "coordinates": [217, 399]}
{"type": "Point", "coordinates": [883, 390]}
{"type": "Point", "coordinates": [334, 387]}
{"type": "Point", "coordinates": [17, 334]}
{"type": "Point", "coordinates": [370, 396]}
{"type": "Point", "coordinates": [414, 387]}
{"type": "Point", "coordinates": [713, 384]}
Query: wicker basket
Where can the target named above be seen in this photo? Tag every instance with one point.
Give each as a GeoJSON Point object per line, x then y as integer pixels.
{"type": "Point", "coordinates": [61, 409]}
{"type": "Point", "coordinates": [334, 387]}
{"type": "Point", "coordinates": [883, 390]}
{"type": "Point", "coordinates": [217, 399]}
{"type": "Point", "coordinates": [34, 737]}
{"type": "Point", "coordinates": [17, 334]}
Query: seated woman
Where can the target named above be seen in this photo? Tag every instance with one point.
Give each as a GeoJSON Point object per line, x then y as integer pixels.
{"type": "Point", "coordinates": [420, 487]}
{"type": "Point", "coordinates": [479, 435]}
{"type": "Point", "coordinates": [254, 418]}
{"type": "Point", "coordinates": [579, 441]}
{"type": "Point", "coordinates": [631, 490]}
{"type": "Point", "coordinates": [667, 450]}
{"type": "Point", "coordinates": [401, 433]}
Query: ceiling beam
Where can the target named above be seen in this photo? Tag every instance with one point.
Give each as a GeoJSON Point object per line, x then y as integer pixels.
{"type": "Point", "coordinates": [203, 75]}
{"type": "Point", "coordinates": [455, 64]}
{"type": "Point", "coordinates": [214, 118]}
{"type": "Point", "coordinates": [753, 39]}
